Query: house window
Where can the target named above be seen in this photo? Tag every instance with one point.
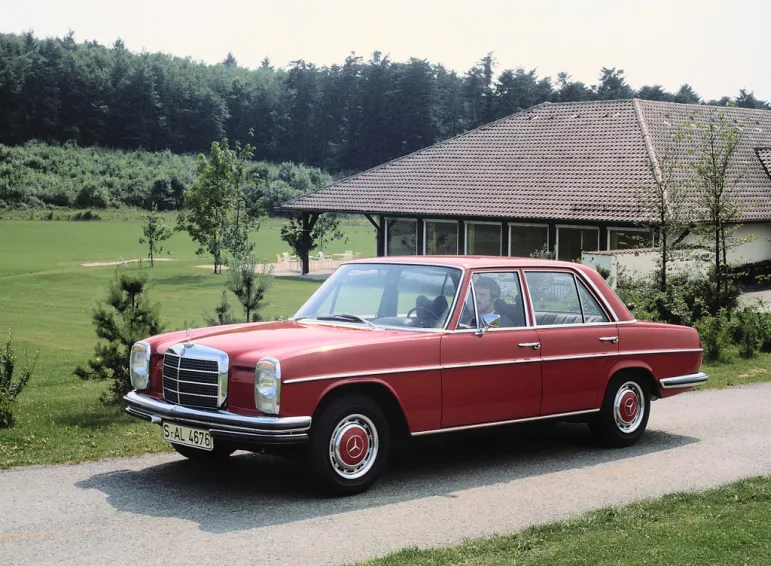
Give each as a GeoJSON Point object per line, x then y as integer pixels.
{"type": "Point", "coordinates": [524, 239]}
{"type": "Point", "coordinates": [440, 237]}
{"type": "Point", "coordinates": [401, 237]}
{"type": "Point", "coordinates": [483, 238]}
{"type": "Point", "coordinates": [572, 240]}
{"type": "Point", "coordinates": [629, 238]}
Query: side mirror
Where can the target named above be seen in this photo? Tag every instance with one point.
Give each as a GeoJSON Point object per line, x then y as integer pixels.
{"type": "Point", "coordinates": [490, 320]}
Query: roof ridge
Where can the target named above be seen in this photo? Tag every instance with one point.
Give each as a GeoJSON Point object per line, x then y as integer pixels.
{"type": "Point", "coordinates": [658, 175]}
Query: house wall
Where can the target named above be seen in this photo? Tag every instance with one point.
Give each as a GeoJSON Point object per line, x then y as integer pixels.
{"type": "Point", "coordinates": [758, 248]}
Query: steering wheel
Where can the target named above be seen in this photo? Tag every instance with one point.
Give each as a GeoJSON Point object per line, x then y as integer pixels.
{"type": "Point", "coordinates": [427, 311]}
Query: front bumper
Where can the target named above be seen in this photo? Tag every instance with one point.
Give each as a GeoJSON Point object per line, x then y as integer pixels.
{"type": "Point", "coordinates": [223, 425]}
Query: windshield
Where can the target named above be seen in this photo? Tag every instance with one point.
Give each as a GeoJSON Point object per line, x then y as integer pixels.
{"type": "Point", "coordinates": [408, 295]}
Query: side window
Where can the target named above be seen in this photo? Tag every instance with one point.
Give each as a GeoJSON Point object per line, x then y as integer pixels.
{"type": "Point", "coordinates": [499, 293]}
{"type": "Point", "coordinates": [554, 297]}
{"type": "Point", "coordinates": [592, 310]}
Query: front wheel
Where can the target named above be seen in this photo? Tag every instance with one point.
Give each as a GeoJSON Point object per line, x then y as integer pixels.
{"type": "Point", "coordinates": [349, 445]}
{"type": "Point", "coordinates": [624, 413]}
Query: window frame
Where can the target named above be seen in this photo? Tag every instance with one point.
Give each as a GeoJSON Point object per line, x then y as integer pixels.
{"type": "Point", "coordinates": [483, 222]}
{"type": "Point", "coordinates": [590, 288]}
{"type": "Point", "coordinates": [574, 227]}
{"type": "Point", "coordinates": [531, 225]}
{"type": "Point", "coordinates": [630, 229]}
{"type": "Point", "coordinates": [385, 234]}
{"type": "Point", "coordinates": [518, 272]}
{"type": "Point", "coordinates": [440, 221]}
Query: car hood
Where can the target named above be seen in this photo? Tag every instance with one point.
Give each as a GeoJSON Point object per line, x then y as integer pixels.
{"type": "Point", "coordinates": [245, 344]}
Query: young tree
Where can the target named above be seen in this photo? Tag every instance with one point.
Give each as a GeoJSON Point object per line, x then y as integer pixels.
{"type": "Point", "coordinates": [305, 238]}
{"type": "Point", "coordinates": [11, 386]}
{"type": "Point", "coordinates": [217, 214]}
{"type": "Point", "coordinates": [155, 232]}
{"type": "Point", "coordinates": [714, 174]}
{"type": "Point", "coordinates": [223, 313]}
{"type": "Point", "coordinates": [125, 317]}
{"type": "Point", "coordinates": [248, 285]}
{"type": "Point", "coordinates": [664, 207]}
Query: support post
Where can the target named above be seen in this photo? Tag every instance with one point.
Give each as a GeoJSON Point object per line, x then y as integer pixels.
{"type": "Point", "coordinates": [380, 237]}
{"type": "Point", "coordinates": [309, 221]}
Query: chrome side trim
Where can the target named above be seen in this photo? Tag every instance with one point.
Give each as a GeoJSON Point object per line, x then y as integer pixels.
{"type": "Point", "coordinates": [579, 357]}
{"type": "Point", "coordinates": [498, 423]}
{"type": "Point", "coordinates": [362, 374]}
{"type": "Point", "coordinates": [395, 371]}
{"type": "Point", "coordinates": [215, 418]}
{"type": "Point", "coordinates": [683, 380]}
{"type": "Point", "coordinates": [496, 363]}
{"type": "Point", "coordinates": [664, 351]}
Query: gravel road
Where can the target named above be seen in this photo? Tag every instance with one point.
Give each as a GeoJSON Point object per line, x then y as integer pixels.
{"type": "Point", "coordinates": [162, 509]}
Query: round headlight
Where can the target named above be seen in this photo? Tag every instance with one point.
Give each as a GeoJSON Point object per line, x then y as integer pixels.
{"type": "Point", "coordinates": [267, 386]}
{"type": "Point", "coordinates": [139, 365]}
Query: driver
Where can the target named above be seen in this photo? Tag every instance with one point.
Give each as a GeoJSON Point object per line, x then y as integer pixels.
{"type": "Point", "coordinates": [487, 292]}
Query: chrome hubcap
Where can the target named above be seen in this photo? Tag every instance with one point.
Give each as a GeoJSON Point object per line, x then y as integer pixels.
{"type": "Point", "coordinates": [353, 446]}
{"type": "Point", "coordinates": [629, 407]}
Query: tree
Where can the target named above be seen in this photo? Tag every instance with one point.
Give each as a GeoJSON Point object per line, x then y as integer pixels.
{"type": "Point", "coordinates": [664, 205]}
{"type": "Point", "coordinates": [613, 85]}
{"type": "Point", "coordinates": [714, 173]}
{"type": "Point", "coordinates": [155, 233]}
{"type": "Point", "coordinates": [10, 385]}
{"type": "Point", "coordinates": [304, 235]}
{"type": "Point", "coordinates": [217, 212]}
{"type": "Point", "coordinates": [686, 95]}
{"type": "Point", "coordinates": [248, 286]}
{"type": "Point", "coordinates": [125, 317]}
{"type": "Point", "coordinates": [223, 313]}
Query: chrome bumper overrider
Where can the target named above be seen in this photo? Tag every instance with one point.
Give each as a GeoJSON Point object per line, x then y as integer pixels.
{"type": "Point", "coordinates": [221, 424]}
{"type": "Point", "coordinates": [683, 381]}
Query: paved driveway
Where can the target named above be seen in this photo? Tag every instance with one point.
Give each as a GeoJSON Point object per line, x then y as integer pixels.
{"type": "Point", "coordinates": [161, 509]}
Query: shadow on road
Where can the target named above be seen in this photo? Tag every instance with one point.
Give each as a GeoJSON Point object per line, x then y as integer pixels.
{"type": "Point", "coordinates": [251, 490]}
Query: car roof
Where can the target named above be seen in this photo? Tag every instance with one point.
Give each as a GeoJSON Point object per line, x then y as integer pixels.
{"type": "Point", "coordinates": [471, 261]}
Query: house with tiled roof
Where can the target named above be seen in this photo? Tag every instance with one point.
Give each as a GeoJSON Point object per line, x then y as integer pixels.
{"type": "Point", "coordinates": [567, 176]}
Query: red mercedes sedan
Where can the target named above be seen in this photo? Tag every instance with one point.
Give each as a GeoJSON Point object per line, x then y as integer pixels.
{"type": "Point", "coordinates": [394, 347]}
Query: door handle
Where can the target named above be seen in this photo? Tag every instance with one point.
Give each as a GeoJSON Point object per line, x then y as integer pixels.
{"type": "Point", "coordinates": [533, 345]}
{"type": "Point", "coordinates": [613, 339]}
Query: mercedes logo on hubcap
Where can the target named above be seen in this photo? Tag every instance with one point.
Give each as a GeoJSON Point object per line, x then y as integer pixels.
{"type": "Point", "coordinates": [354, 446]}
{"type": "Point", "coordinates": [629, 405]}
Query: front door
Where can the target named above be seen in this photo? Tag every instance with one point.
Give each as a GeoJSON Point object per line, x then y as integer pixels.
{"type": "Point", "coordinates": [491, 375]}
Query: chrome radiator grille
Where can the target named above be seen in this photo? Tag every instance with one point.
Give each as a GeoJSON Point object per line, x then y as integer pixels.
{"type": "Point", "coordinates": [195, 376]}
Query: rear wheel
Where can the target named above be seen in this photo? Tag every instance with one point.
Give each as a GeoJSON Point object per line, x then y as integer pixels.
{"type": "Point", "coordinates": [624, 413]}
{"type": "Point", "coordinates": [348, 446]}
{"type": "Point", "coordinates": [198, 455]}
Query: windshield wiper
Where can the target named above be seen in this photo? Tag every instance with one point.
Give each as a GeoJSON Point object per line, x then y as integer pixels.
{"type": "Point", "coordinates": [342, 316]}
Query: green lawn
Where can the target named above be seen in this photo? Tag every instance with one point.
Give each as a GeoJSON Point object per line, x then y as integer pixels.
{"type": "Point", "coordinates": [728, 525]}
{"type": "Point", "coordinates": [46, 297]}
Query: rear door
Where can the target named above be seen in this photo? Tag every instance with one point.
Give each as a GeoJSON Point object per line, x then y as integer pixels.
{"type": "Point", "coordinates": [579, 340]}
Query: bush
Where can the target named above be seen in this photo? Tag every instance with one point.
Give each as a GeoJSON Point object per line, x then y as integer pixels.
{"type": "Point", "coordinates": [10, 387]}
{"type": "Point", "coordinates": [87, 215]}
{"type": "Point", "coordinates": [686, 300]}
{"type": "Point", "coordinates": [715, 336]}
{"type": "Point", "coordinates": [749, 329]}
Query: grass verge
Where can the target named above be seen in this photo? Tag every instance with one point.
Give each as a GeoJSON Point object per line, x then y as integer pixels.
{"type": "Point", "coordinates": [728, 525]}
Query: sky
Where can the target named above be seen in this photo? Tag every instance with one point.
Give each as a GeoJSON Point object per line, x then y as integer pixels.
{"type": "Point", "coordinates": [716, 47]}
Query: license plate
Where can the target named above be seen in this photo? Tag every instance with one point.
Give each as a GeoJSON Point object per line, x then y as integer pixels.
{"type": "Point", "coordinates": [187, 436]}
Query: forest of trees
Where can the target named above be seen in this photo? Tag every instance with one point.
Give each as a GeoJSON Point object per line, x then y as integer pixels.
{"type": "Point", "coordinates": [342, 118]}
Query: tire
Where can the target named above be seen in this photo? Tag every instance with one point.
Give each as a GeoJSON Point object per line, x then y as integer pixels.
{"type": "Point", "coordinates": [348, 446]}
{"type": "Point", "coordinates": [198, 455]}
{"type": "Point", "coordinates": [624, 413]}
